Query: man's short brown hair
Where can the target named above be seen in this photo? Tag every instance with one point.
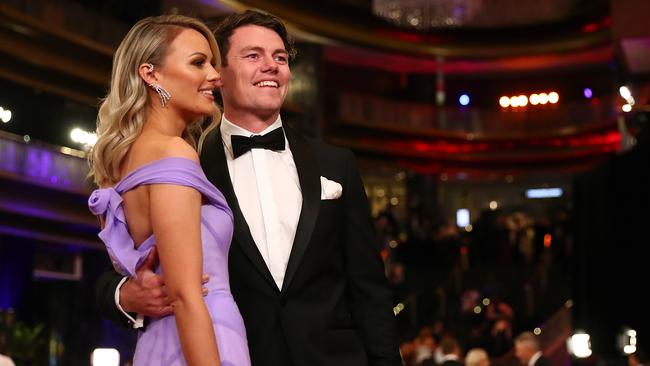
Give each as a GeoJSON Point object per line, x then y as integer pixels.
{"type": "Point", "coordinates": [227, 27]}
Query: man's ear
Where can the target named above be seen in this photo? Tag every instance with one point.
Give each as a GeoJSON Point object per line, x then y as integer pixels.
{"type": "Point", "coordinates": [148, 73]}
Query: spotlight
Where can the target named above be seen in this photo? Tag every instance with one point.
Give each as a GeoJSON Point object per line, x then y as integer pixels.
{"type": "Point", "coordinates": [543, 98]}
{"type": "Point", "coordinates": [588, 93]}
{"type": "Point", "coordinates": [514, 102]}
{"type": "Point", "coordinates": [105, 357]}
{"type": "Point", "coordinates": [579, 344]}
{"type": "Point", "coordinates": [463, 100]}
{"type": "Point", "coordinates": [462, 217]}
{"type": "Point", "coordinates": [544, 192]}
{"type": "Point", "coordinates": [626, 108]}
{"type": "Point", "coordinates": [627, 95]}
{"type": "Point", "coordinates": [504, 101]}
{"type": "Point", "coordinates": [553, 97]}
{"type": "Point", "coordinates": [534, 99]}
{"type": "Point", "coordinates": [5, 115]}
{"type": "Point", "coordinates": [627, 341]}
{"type": "Point", "coordinates": [625, 92]}
{"type": "Point", "coordinates": [83, 137]}
{"type": "Point", "coordinates": [523, 100]}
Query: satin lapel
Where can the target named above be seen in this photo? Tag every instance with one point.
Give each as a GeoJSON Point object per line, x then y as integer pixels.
{"type": "Point", "coordinates": [213, 160]}
{"type": "Point", "coordinates": [309, 177]}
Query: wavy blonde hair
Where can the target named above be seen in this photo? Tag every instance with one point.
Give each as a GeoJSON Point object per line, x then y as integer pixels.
{"type": "Point", "coordinates": [123, 111]}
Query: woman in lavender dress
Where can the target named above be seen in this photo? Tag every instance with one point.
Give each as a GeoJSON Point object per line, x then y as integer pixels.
{"type": "Point", "coordinates": [154, 195]}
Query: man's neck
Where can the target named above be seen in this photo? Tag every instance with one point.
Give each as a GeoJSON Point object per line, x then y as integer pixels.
{"type": "Point", "coordinates": [249, 122]}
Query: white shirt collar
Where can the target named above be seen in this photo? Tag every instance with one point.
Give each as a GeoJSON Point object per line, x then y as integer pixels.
{"type": "Point", "coordinates": [449, 357]}
{"type": "Point", "coordinates": [534, 358]}
{"type": "Point", "coordinates": [228, 129]}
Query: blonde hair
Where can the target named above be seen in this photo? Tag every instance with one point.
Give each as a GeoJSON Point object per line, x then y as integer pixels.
{"type": "Point", "coordinates": [123, 111]}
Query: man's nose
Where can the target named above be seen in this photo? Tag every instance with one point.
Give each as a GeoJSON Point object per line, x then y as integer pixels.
{"type": "Point", "coordinates": [269, 65]}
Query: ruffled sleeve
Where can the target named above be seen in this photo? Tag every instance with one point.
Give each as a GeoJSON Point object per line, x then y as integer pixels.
{"type": "Point", "coordinates": [107, 202]}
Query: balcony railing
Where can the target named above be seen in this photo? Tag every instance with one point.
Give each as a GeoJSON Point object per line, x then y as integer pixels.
{"type": "Point", "coordinates": [60, 168]}
{"type": "Point", "coordinates": [533, 121]}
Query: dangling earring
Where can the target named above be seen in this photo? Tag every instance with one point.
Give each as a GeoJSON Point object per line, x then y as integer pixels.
{"type": "Point", "coordinates": [162, 93]}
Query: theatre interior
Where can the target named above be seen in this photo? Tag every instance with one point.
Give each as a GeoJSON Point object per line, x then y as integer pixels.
{"type": "Point", "coordinates": [503, 146]}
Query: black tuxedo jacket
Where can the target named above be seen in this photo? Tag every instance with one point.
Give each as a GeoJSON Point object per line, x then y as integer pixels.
{"type": "Point", "coordinates": [334, 308]}
{"type": "Point", "coordinates": [542, 361]}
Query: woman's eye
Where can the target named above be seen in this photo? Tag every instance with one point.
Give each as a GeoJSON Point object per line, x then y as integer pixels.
{"type": "Point", "coordinates": [198, 62]}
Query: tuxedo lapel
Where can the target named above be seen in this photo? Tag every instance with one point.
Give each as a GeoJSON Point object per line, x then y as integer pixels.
{"type": "Point", "coordinates": [309, 177]}
{"type": "Point", "coordinates": [213, 161]}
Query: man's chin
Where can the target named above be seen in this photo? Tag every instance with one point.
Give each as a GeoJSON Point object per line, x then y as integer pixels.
{"type": "Point", "coordinates": [269, 108]}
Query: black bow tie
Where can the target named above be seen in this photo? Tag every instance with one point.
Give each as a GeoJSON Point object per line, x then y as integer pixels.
{"type": "Point", "coordinates": [273, 140]}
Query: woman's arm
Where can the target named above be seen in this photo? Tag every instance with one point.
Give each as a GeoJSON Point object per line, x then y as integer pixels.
{"type": "Point", "coordinates": [176, 222]}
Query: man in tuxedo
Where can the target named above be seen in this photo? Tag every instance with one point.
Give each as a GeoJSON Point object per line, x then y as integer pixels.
{"type": "Point", "coordinates": [303, 269]}
{"type": "Point", "coordinates": [528, 351]}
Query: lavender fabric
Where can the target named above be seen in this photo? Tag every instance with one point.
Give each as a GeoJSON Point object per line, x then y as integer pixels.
{"type": "Point", "coordinates": [159, 344]}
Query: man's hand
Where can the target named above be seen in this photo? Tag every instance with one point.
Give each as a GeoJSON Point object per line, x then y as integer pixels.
{"type": "Point", "coordinates": [146, 294]}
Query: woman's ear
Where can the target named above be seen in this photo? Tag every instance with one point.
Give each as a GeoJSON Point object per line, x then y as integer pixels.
{"type": "Point", "coordinates": [148, 73]}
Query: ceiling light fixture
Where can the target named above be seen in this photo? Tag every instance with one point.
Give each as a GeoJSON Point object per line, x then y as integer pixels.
{"type": "Point", "coordinates": [432, 14]}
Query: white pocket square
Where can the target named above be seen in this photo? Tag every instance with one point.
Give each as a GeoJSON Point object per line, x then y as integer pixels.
{"type": "Point", "coordinates": [329, 189]}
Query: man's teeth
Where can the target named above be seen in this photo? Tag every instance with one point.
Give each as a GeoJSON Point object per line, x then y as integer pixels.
{"type": "Point", "coordinates": [267, 83]}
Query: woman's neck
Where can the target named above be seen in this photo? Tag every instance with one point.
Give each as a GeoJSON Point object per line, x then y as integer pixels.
{"type": "Point", "coordinates": [165, 122]}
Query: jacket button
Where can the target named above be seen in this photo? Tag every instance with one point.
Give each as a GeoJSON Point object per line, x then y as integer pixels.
{"type": "Point", "coordinates": [283, 301]}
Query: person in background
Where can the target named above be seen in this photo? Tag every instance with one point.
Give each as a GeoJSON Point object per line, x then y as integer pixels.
{"type": "Point", "coordinates": [450, 351]}
{"type": "Point", "coordinates": [477, 357]}
{"type": "Point", "coordinates": [528, 351]}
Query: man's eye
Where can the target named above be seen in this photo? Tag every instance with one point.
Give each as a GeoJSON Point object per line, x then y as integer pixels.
{"type": "Point", "coordinates": [252, 56]}
{"type": "Point", "coordinates": [281, 58]}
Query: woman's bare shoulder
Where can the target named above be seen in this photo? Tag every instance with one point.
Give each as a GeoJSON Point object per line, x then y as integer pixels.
{"type": "Point", "coordinates": [152, 148]}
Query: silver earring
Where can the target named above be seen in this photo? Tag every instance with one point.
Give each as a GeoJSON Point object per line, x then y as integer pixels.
{"type": "Point", "coordinates": [162, 93]}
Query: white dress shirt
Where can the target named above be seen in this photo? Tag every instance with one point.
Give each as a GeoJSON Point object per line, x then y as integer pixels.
{"type": "Point", "coordinates": [534, 358]}
{"type": "Point", "coordinates": [268, 191]}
